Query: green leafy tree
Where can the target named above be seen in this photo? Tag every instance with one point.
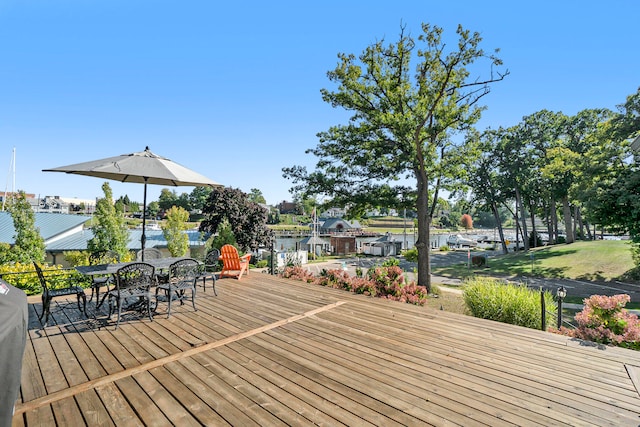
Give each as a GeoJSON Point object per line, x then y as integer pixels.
{"type": "Point", "coordinates": [198, 197]}
{"type": "Point", "coordinates": [402, 126]}
{"type": "Point", "coordinates": [309, 204]}
{"type": "Point", "coordinates": [224, 236]}
{"type": "Point", "coordinates": [183, 202]}
{"type": "Point", "coordinates": [109, 229]}
{"type": "Point", "coordinates": [174, 231]}
{"type": "Point", "coordinates": [28, 244]}
{"type": "Point", "coordinates": [247, 220]}
{"type": "Point", "coordinates": [153, 209]}
{"type": "Point", "coordinates": [486, 179]}
{"type": "Point", "coordinates": [167, 199]}
{"type": "Point", "coordinates": [133, 207]}
{"type": "Point", "coordinates": [256, 196]}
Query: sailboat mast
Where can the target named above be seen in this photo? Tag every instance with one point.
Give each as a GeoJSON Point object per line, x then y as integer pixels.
{"type": "Point", "coordinates": [12, 169]}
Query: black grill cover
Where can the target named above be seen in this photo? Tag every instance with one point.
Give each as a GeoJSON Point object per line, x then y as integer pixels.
{"type": "Point", "coordinates": [13, 338]}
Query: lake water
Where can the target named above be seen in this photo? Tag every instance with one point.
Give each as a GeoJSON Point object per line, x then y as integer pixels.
{"type": "Point", "coordinates": [408, 241]}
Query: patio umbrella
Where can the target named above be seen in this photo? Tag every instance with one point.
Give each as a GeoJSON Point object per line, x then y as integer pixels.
{"type": "Point", "coordinates": [143, 167]}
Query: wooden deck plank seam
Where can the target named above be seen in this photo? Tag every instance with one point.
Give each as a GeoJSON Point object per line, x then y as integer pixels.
{"type": "Point", "coordinates": [634, 374]}
{"type": "Point", "coordinates": [72, 391]}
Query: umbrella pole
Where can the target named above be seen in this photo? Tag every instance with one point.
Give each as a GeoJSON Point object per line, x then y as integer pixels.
{"type": "Point", "coordinates": [143, 239]}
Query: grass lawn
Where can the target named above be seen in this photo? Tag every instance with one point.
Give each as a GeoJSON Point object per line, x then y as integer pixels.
{"type": "Point", "coordinates": [448, 300]}
{"type": "Point", "coordinates": [601, 260]}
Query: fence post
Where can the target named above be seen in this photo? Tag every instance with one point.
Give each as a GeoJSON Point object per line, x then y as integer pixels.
{"type": "Point", "coordinates": [544, 309]}
{"type": "Point", "coordinates": [273, 252]}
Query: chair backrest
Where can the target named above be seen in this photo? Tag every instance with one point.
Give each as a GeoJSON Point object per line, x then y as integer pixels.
{"type": "Point", "coordinates": [111, 257]}
{"type": "Point", "coordinates": [43, 281]}
{"type": "Point", "coordinates": [149, 253]}
{"type": "Point", "coordinates": [95, 258]}
{"type": "Point", "coordinates": [137, 276]}
{"type": "Point", "coordinates": [104, 257]}
{"type": "Point", "coordinates": [230, 257]}
{"type": "Point", "coordinates": [184, 270]}
{"type": "Point", "coordinates": [212, 259]}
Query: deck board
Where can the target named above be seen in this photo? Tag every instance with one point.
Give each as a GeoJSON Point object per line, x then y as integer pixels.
{"type": "Point", "coordinates": [270, 351]}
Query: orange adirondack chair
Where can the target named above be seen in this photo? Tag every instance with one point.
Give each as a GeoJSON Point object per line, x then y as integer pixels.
{"type": "Point", "coordinates": [233, 265]}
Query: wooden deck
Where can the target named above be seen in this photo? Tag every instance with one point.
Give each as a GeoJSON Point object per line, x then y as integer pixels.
{"type": "Point", "coordinates": [270, 351]}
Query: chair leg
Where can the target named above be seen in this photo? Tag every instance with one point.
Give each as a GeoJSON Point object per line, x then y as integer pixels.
{"type": "Point", "coordinates": [46, 303]}
{"type": "Point", "coordinates": [193, 297]}
{"type": "Point", "coordinates": [119, 312]}
{"type": "Point", "coordinates": [149, 307]}
{"type": "Point", "coordinates": [213, 277]}
{"type": "Point", "coordinates": [169, 298]}
{"type": "Point", "coordinates": [84, 303]}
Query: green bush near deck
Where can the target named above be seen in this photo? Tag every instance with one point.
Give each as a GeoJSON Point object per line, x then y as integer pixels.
{"type": "Point", "coordinates": [411, 255]}
{"type": "Point", "coordinates": [508, 303]}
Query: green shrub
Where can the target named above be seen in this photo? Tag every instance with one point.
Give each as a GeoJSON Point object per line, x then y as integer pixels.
{"type": "Point", "coordinates": [391, 262]}
{"type": "Point", "coordinates": [507, 303]}
{"type": "Point", "coordinates": [445, 248]}
{"type": "Point", "coordinates": [411, 255]}
{"type": "Point", "coordinates": [262, 263]}
{"type": "Point", "coordinates": [75, 258]}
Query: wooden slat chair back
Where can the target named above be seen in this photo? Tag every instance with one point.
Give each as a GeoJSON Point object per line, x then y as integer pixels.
{"type": "Point", "coordinates": [49, 292]}
{"type": "Point", "coordinates": [233, 265]}
{"type": "Point", "coordinates": [132, 281]}
{"type": "Point", "coordinates": [182, 277]}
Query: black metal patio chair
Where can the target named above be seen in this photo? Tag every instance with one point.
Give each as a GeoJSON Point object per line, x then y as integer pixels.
{"type": "Point", "coordinates": [133, 282]}
{"type": "Point", "coordinates": [98, 281]}
{"type": "Point", "coordinates": [208, 269]}
{"type": "Point", "coordinates": [49, 292]}
{"type": "Point", "coordinates": [182, 277]}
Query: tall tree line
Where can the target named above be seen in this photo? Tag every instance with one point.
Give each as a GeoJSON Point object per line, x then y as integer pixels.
{"type": "Point", "coordinates": [567, 170]}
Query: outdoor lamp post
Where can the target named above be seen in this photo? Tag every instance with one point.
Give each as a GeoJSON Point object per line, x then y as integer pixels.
{"type": "Point", "coordinates": [561, 293]}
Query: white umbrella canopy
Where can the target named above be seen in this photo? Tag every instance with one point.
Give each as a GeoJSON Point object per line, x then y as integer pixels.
{"type": "Point", "coordinates": [143, 167]}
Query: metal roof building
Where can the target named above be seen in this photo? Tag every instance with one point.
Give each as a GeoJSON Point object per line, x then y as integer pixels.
{"type": "Point", "coordinates": [63, 232]}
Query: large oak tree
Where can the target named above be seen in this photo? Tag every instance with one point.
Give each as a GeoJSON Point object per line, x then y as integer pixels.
{"type": "Point", "coordinates": [408, 100]}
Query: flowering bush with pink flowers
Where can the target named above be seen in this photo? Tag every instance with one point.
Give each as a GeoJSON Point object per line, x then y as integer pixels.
{"type": "Point", "coordinates": [384, 282]}
{"type": "Point", "coordinates": [604, 320]}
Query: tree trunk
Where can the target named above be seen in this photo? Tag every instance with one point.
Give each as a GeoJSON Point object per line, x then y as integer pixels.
{"type": "Point", "coordinates": [580, 224]}
{"type": "Point", "coordinates": [534, 232]}
{"type": "Point", "coordinates": [496, 215]}
{"type": "Point", "coordinates": [424, 224]}
{"type": "Point", "coordinates": [587, 227]}
{"type": "Point", "coordinates": [554, 222]}
{"type": "Point", "coordinates": [549, 223]}
{"type": "Point", "coordinates": [523, 216]}
{"type": "Point", "coordinates": [568, 226]}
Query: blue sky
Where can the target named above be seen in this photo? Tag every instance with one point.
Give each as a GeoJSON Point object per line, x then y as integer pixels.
{"type": "Point", "coordinates": [233, 90]}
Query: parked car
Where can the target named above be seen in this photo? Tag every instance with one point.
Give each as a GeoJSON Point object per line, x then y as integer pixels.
{"type": "Point", "coordinates": [457, 241]}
